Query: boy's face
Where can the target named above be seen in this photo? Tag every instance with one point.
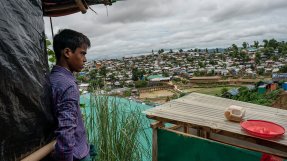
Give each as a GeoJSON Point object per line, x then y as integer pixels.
{"type": "Point", "coordinates": [77, 59]}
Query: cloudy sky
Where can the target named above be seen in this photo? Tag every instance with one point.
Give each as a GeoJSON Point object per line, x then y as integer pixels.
{"type": "Point", "coordinates": [140, 26]}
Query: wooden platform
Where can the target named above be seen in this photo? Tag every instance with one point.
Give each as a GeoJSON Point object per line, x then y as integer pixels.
{"type": "Point", "coordinates": [206, 114]}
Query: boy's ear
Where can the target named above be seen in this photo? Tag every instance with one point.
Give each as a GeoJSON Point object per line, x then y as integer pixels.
{"type": "Point", "coordinates": [67, 52]}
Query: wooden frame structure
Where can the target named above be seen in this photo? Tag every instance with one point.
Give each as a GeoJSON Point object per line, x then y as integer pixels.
{"type": "Point", "coordinates": [198, 115]}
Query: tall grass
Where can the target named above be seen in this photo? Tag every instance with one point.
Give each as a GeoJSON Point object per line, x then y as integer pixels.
{"type": "Point", "coordinates": [116, 129]}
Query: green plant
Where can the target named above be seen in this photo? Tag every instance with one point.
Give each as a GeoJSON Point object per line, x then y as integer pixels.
{"type": "Point", "coordinates": [224, 90]}
{"type": "Point", "coordinates": [116, 129]}
{"type": "Point", "coordinates": [50, 52]}
{"type": "Point", "coordinates": [141, 83]}
{"type": "Point", "coordinates": [127, 93]}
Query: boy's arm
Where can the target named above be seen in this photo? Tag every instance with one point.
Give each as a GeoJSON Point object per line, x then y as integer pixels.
{"type": "Point", "coordinates": [67, 123]}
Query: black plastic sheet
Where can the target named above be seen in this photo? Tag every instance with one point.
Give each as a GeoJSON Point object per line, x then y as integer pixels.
{"type": "Point", "coordinates": [25, 116]}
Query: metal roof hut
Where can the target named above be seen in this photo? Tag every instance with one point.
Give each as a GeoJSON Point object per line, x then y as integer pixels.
{"type": "Point", "coordinates": [25, 116]}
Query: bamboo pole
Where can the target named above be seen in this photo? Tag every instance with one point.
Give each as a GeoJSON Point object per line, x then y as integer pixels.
{"type": "Point", "coordinates": [41, 153]}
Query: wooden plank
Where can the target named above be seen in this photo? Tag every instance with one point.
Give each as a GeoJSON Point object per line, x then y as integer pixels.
{"type": "Point", "coordinates": [60, 7]}
{"type": "Point", "coordinates": [217, 114]}
{"type": "Point", "coordinates": [175, 127]}
{"type": "Point", "coordinates": [157, 124]}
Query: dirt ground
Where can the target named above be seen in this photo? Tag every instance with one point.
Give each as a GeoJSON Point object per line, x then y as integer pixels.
{"type": "Point", "coordinates": [156, 100]}
{"type": "Point", "coordinates": [156, 94]}
{"type": "Point", "coordinates": [210, 91]}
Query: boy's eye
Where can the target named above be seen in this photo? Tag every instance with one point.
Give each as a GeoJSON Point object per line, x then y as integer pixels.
{"type": "Point", "coordinates": [83, 53]}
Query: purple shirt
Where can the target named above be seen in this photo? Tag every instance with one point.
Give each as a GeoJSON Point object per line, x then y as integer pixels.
{"type": "Point", "coordinates": [70, 133]}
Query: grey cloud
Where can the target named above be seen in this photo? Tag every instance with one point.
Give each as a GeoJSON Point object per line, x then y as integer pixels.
{"type": "Point", "coordinates": [240, 8]}
{"type": "Point", "coordinates": [138, 26]}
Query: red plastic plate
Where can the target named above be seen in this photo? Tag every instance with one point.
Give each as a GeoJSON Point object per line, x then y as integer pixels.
{"type": "Point", "coordinates": [262, 128]}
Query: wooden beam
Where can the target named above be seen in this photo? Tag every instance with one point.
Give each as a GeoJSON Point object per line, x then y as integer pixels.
{"type": "Point", "coordinates": [154, 144]}
{"type": "Point", "coordinates": [155, 126]}
{"type": "Point", "coordinates": [81, 6]}
{"type": "Point", "coordinates": [41, 153]}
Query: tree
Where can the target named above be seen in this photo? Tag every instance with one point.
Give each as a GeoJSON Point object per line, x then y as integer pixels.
{"type": "Point", "coordinates": [212, 72]}
{"type": "Point", "coordinates": [234, 51]}
{"type": "Point", "coordinates": [206, 50]}
{"type": "Point", "coordinates": [243, 56]}
{"type": "Point", "coordinates": [217, 51]}
{"type": "Point", "coordinates": [103, 71]}
{"type": "Point", "coordinates": [244, 45]}
{"type": "Point", "coordinates": [170, 51]}
{"type": "Point", "coordinates": [268, 51]}
{"type": "Point", "coordinates": [275, 58]}
{"type": "Point", "coordinates": [94, 84]}
{"type": "Point", "coordinates": [212, 62]}
{"type": "Point", "coordinates": [165, 74]}
{"type": "Point", "coordinates": [137, 74]}
{"type": "Point", "coordinates": [190, 59]}
{"type": "Point", "coordinates": [112, 77]}
{"type": "Point", "coordinates": [234, 48]}
{"type": "Point", "coordinates": [160, 51]}
{"type": "Point", "coordinates": [257, 58]}
{"type": "Point", "coordinates": [93, 74]}
{"type": "Point", "coordinates": [260, 71]}
{"type": "Point", "coordinates": [282, 48]}
{"type": "Point", "coordinates": [273, 43]}
{"type": "Point", "coordinates": [126, 76]}
{"type": "Point", "coordinates": [81, 79]}
{"type": "Point", "coordinates": [256, 44]}
{"type": "Point", "coordinates": [265, 43]}
{"type": "Point", "coordinates": [180, 50]}
{"type": "Point", "coordinates": [140, 83]}
{"type": "Point", "coordinates": [283, 69]}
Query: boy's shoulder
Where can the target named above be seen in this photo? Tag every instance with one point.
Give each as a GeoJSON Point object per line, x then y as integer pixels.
{"type": "Point", "coordinates": [62, 80]}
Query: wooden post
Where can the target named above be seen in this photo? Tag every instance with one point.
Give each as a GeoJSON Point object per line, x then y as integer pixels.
{"type": "Point", "coordinates": [155, 127]}
{"type": "Point", "coordinates": [186, 129]}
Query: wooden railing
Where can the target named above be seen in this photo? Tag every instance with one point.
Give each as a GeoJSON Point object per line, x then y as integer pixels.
{"type": "Point", "coordinates": [41, 153]}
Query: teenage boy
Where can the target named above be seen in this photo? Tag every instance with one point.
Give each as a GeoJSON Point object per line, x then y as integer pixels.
{"type": "Point", "coordinates": [70, 48]}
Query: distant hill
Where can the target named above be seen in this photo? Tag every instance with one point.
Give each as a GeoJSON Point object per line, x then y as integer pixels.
{"type": "Point", "coordinates": [119, 55]}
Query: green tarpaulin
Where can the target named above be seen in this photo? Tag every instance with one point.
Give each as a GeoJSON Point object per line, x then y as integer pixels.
{"type": "Point", "coordinates": [175, 147]}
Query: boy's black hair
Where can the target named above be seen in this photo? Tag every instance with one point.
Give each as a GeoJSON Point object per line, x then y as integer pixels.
{"type": "Point", "coordinates": [71, 39]}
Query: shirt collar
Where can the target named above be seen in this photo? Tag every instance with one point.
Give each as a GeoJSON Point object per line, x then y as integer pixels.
{"type": "Point", "coordinates": [57, 68]}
